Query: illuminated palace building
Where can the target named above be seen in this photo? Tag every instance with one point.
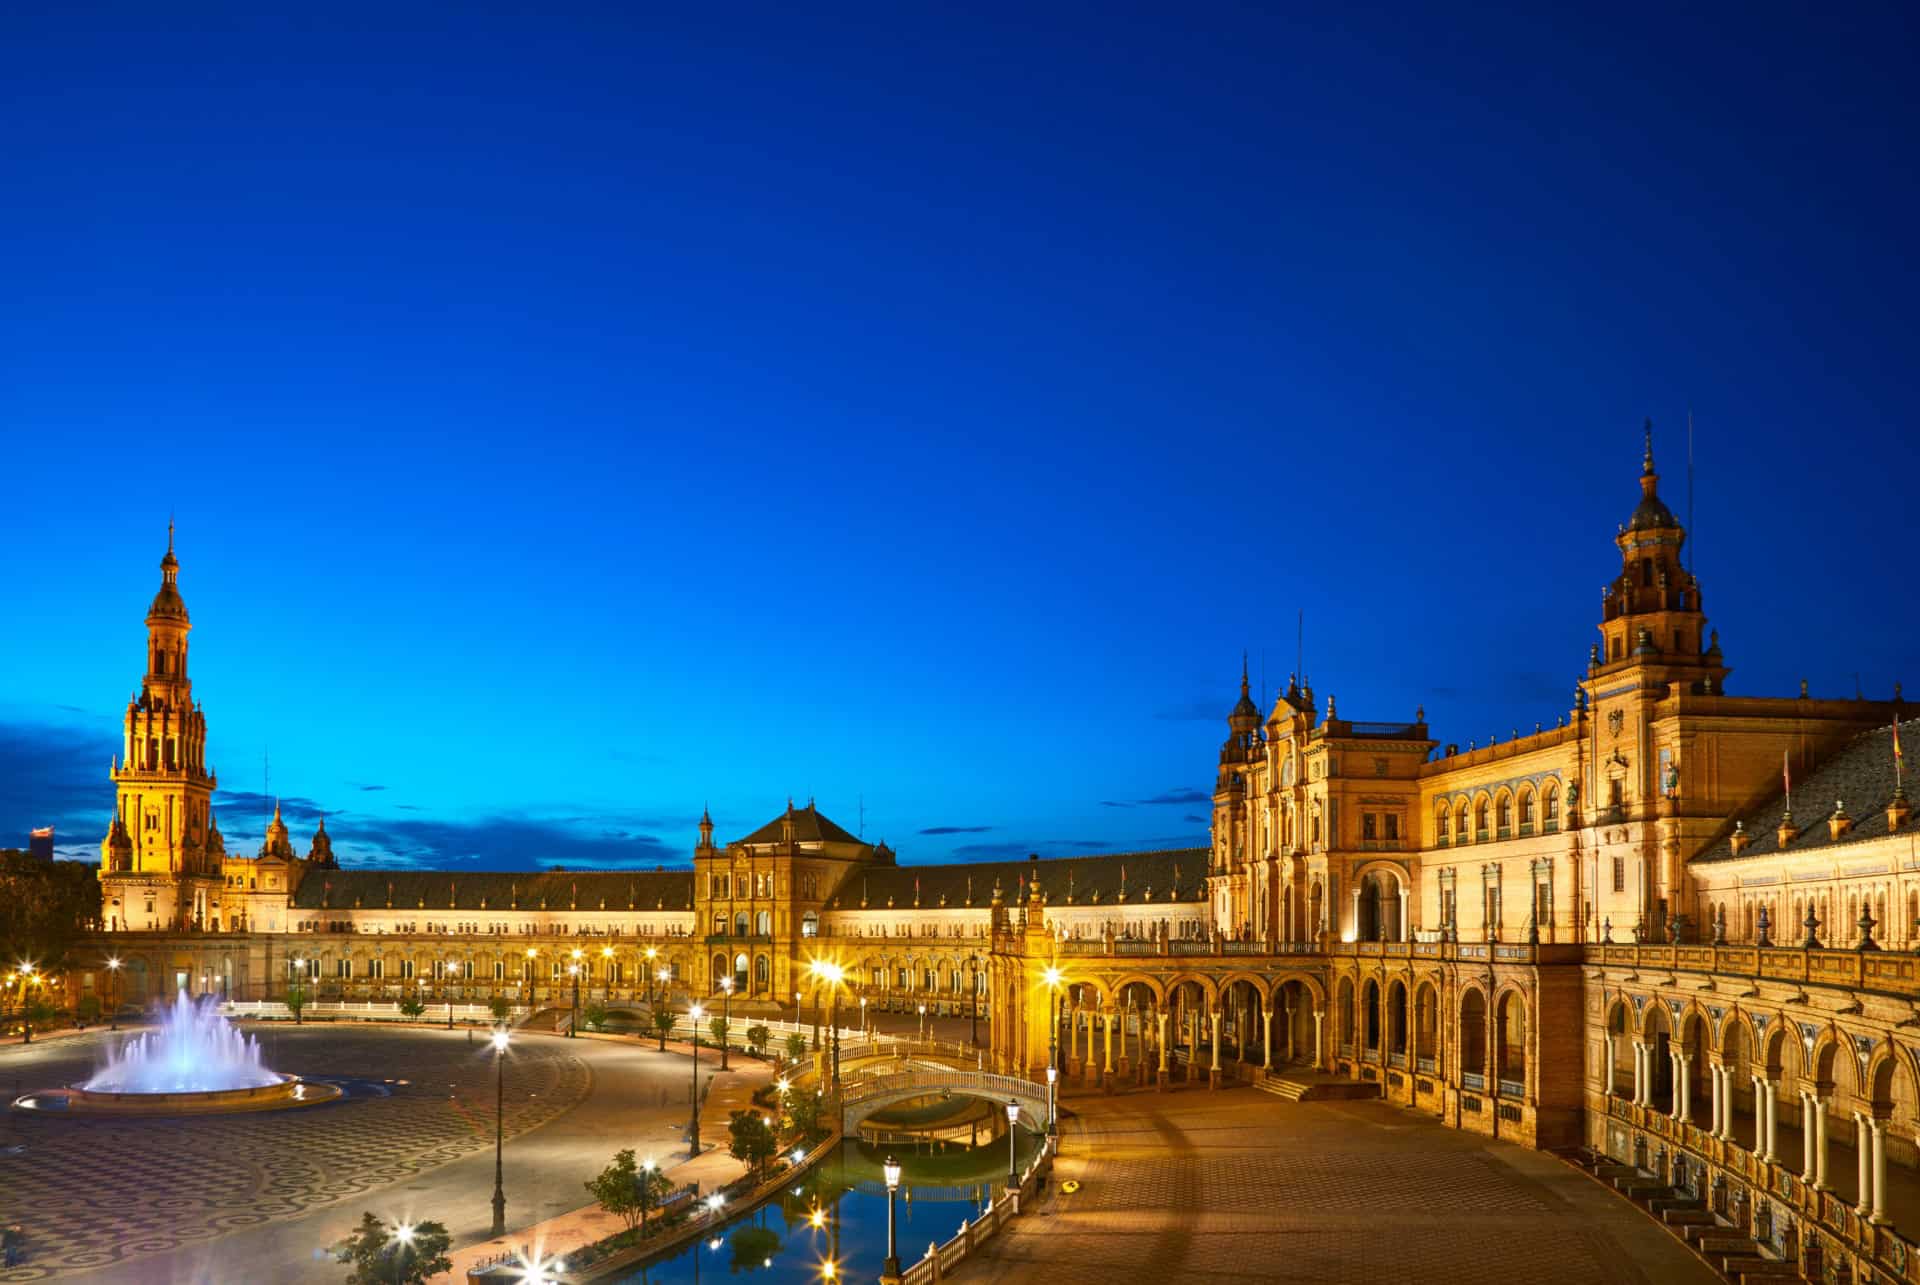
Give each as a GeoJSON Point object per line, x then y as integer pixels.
{"type": "Point", "coordinates": [1620, 930]}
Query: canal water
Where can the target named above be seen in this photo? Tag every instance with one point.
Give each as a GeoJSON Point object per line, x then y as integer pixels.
{"type": "Point", "coordinates": [838, 1214]}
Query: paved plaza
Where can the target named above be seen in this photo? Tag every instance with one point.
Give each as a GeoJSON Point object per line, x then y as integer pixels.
{"type": "Point", "coordinates": [1241, 1185]}
{"type": "Point", "coordinates": [258, 1197]}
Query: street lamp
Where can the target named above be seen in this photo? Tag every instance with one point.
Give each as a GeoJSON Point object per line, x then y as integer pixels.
{"type": "Point", "coordinates": [300, 980]}
{"type": "Point", "coordinates": [1013, 1119]}
{"type": "Point", "coordinates": [693, 1147]}
{"type": "Point", "coordinates": [892, 1170]}
{"type": "Point", "coordinates": [452, 964]}
{"type": "Point", "coordinates": [113, 989]}
{"type": "Point", "coordinates": [973, 997]}
{"type": "Point", "coordinates": [27, 982]}
{"type": "Point", "coordinates": [922, 1028]}
{"type": "Point", "coordinates": [499, 1128]}
{"type": "Point", "coordinates": [650, 953]}
{"type": "Point", "coordinates": [825, 970]}
{"type": "Point", "coordinates": [573, 970]}
{"type": "Point", "coordinates": [863, 1015]}
{"type": "Point", "coordinates": [726, 1018]}
{"type": "Point", "coordinates": [1052, 978]}
{"type": "Point", "coordinates": [1053, 1114]}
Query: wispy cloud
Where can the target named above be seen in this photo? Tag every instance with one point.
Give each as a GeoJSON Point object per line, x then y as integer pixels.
{"type": "Point", "coordinates": [1201, 710]}
{"type": "Point", "coordinates": [956, 829]}
{"type": "Point", "coordinates": [1179, 796]}
{"type": "Point", "coordinates": [1111, 803]}
{"type": "Point", "coordinates": [1197, 820]}
{"type": "Point", "coordinates": [373, 787]}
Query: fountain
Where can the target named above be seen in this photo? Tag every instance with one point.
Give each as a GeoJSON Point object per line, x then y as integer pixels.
{"type": "Point", "coordinates": [197, 1061]}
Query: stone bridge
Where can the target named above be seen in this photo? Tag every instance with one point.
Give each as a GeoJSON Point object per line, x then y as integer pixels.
{"type": "Point", "coordinates": [860, 1098]}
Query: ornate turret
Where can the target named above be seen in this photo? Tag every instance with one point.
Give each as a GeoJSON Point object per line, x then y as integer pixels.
{"type": "Point", "coordinates": [320, 855]}
{"type": "Point", "coordinates": [1651, 614]}
{"type": "Point", "coordinates": [278, 845]}
{"type": "Point", "coordinates": [705, 847]}
{"type": "Point", "coordinates": [159, 847]}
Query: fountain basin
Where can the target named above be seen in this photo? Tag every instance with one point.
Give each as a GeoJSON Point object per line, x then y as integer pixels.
{"type": "Point", "coordinates": [289, 1092]}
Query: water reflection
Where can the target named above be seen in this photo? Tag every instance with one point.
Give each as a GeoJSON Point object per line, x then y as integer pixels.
{"type": "Point", "coordinates": [838, 1215]}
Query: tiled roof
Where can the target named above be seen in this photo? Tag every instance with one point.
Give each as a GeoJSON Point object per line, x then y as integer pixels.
{"type": "Point", "coordinates": [809, 826]}
{"type": "Point", "coordinates": [501, 889]}
{"type": "Point", "coordinates": [1169, 874]}
{"type": "Point", "coordinates": [1860, 776]}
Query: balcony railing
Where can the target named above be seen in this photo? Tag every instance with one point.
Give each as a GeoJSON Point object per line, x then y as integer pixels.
{"type": "Point", "coordinates": [1473, 1080]}
{"type": "Point", "coordinates": [1427, 1065]}
{"type": "Point", "coordinates": [1513, 1089]}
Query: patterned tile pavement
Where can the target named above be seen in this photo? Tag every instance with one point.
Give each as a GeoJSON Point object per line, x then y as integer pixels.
{"type": "Point", "coordinates": [95, 1192]}
{"type": "Point", "coordinates": [1239, 1185]}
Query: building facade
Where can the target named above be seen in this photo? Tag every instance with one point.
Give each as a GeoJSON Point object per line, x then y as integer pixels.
{"type": "Point", "coordinates": [1660, 927]}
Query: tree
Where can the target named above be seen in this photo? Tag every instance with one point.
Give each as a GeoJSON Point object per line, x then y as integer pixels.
{"type": "Point", "coordinates": [803, 1109]}
{"type": "Point", "coordinates": [383, 1255]}
{"type": "Point", "coordinates": [499, 1007]}
{"type": "Point", "coordinates": [44, 908]}
{"type": "Point", "coordinates": [595, 1014]}
{"type": "Point", "coordinates": [628, 1190]}
{"type": "Point", "coordinates": [719, 1028]}
{"type": "Point", "coordinates": [411, 1007]}
{"type": "Point", "coordinates": [796, 1047]}
{"type": "Point", "coordinates": [663, 1020]}
{"type": "Point", "coordinates": [296, 1000]}
{"type": "Point", "coordinates": [752, 1140]}
{"type": "Point", "coordinates": [757, 1037]}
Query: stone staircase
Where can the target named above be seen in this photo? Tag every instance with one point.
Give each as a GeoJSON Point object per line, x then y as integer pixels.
{"type": "Point", "coordinates": [1736, 1256]}
{"type": "Point", "coordinates": [1308, 1086]}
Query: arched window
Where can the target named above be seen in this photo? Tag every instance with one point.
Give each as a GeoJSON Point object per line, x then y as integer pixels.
{"type": "Point", "coordinates": [1371, 999]}
{"type": "Point", "coordinates": [1460, 822]}
{"type": "Point", "coordinates": [1550, 806]}
{"type": "Point", "coordinates": [762, 972]}
{"type": "Point", "coordinates": [1440, 819]}
{"type": "Point", "coordinates": [1346, 1013]}
{"type": "Point", "coordinates": [740, 924]}
{"type": "Point", "coordinates": [1473, 1034]}
{"type": "Point", "coordinates": [1526, 811]}
{"type": "Point", "coordinates": [1510, 1039]}
{"type": "Point", "coordinates": [1480, 822]}
{"type": "Point", "coordinates": [1503, 816]}
{"type": "Point", "coordinates": [763, 923]}
{"type": "Point", "coordinates": [810, 924]}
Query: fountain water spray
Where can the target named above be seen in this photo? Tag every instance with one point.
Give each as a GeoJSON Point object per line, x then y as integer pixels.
{"type": "Point", "coordinates": [196, 1050]}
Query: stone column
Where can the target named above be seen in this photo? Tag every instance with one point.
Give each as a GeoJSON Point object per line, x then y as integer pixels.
{"type": "Point", "coordinates": [1820, 1144]}
{"type": "Point", "coordinates": [1682, 1086]}
{"type": "Point", "coordinates": [1713, 1099]}
{"type": "Point", "coordinates": [1160, 1039]}
{"type": "Point", "coordinates": [1267, 1043]}
{"type": "Point", "coordinates": [1107, 1068]}
{"type": "Point", "coordinates": [1773, 1115]}
{"type": "Point", "coordinates": [1639, 1070]}
{"type": "Point", "coordinates": [1406, 926]}
{"type": "Point", "coordinates": [1213, 1072]}
{"type": "Point", "coordinates": [1319, 1020]}
{"type": "Point", "coordinates": [1879, 1208]}
{"type": "Point", "coordinates": [1863, 1164]}
{"type": "Point", "coordinates": [1356, 914]}
{"type": "Point", "coordinates": [1806, 1137]}
{"type": "Point", "coordinates": [1606, 1072]}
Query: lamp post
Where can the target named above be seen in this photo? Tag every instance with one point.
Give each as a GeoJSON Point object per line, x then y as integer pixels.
{"type": "Point", "coordinates": [300, 980]}
{"type": "Point", "coordinates": [573, 970]}
{"type": "Point", "coordinates": [663, 976]}
{"type": "Point", "coordinates": [113, 992]}
{"type": "Point", "coordinates": [499, 1129]}
{"type": "Point", "coordinates": [973, 997]}
{"type": "Point", "coordinates": [1052, 977]}
{"type": "Point", "coordinates": [863, 1015]}
{"type": "Point", "coordinates": [694, 1014]}
{"type": "Point", "coordinates": [650, 952]}
{"type": "Point", "coordinates": [1053, 1114]}
{"type": "Point", "coordinates": [726, 1017]}
{"type": "Point", "coordinates": [27, 983]}
{"type": "Point", "coordinates": [1013, 1119]}
{"type": "Point", "coordinates": [452, 965]}
{"type": "Point", "coordinates": [892, 1170]}
{"type": "Point", "coordinates": [922, 1027]}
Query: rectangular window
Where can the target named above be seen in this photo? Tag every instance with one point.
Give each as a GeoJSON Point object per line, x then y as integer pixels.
{"type": "Point", "coordinates": [376, 969]}
{"type": "Point", "coordinates": [1367, 824]}
{"type": "Point", "coordinates": [1393, 825]}
{"type": "Point", "coordinates": [343, 969]}
{"type": "Point", "coordinates": [499, 970]}
{"type": "Point", "coordinates": [406, 970]}
{"type": "Point", "coordinates": [1619, 874]}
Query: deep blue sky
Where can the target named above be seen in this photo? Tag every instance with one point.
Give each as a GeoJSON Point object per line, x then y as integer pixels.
{"type": "Point", "coordinates": [577, 414]}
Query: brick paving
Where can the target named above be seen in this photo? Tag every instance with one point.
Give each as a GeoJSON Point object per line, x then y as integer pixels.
{"type": "Point", "coordinates": [96, 1192]}
{"type": "Point", "coordinates": [1240, 1185]}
